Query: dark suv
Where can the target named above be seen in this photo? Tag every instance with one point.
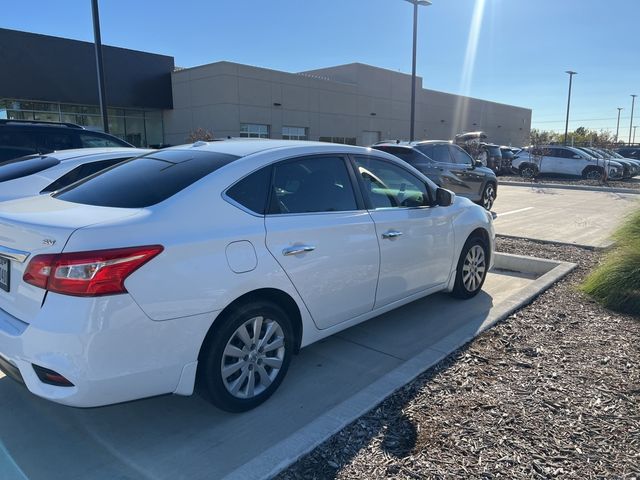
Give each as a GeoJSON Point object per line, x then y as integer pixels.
{"type": "Point", "coordinates": [450, 167]}
{"type": "Point", "coordinates": [629, 152]}
{"type": "Point", "coordinates": [23, 137]}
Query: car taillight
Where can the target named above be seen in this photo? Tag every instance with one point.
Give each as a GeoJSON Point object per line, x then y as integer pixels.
{"type": "Point", "coordinates": [88, 274]}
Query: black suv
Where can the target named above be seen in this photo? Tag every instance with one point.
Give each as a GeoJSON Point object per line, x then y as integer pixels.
{"type": "Point", "coordinates": [24, 137]}
{"type": "Point", "coordinates": [450, 167]}
{"type": "Point", "coordinates": [629, 152]}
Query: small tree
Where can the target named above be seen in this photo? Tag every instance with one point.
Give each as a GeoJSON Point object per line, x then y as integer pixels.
{"type": "Point", "coordinates": [200, 134]}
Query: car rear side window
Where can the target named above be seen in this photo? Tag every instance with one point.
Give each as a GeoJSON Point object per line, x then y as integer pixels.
{"type": "Point", "coordinates": [251, 192]}
{"type": "Point", "coordinates": [21, 168]}
{"type": "Point", "coordinates": [80, 172]}
{"type": "Point", "coordinates": [312, 185]}
{"type": "Point", "coordinates": [409, 155]}
{"type": "Point", "coordinates": [145, 181]}
{"type": "Point", "coordinates": [439, 153]}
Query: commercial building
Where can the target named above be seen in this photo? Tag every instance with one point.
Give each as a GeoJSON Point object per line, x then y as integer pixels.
{"type": "Point", "coordinates": [151, 102]}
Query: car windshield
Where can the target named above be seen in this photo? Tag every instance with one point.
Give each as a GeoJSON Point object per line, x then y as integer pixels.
{"type": "Point", "coordinates": [21, 167]}
{"type": "Point", "coordinates": [145, 181]}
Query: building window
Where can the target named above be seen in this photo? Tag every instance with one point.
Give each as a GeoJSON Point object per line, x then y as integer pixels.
{"type": "Point", "coordinates": [254, 130]}
{"type": "Point", "coordinates": [142, 128]}
{"type": "Point", "coordinates": [294, 133]}
{"type": "Point", "coordinates": [342, 140]}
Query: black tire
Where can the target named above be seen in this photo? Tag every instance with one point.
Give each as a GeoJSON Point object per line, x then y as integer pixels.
{"type": "Point", "coordinates": [528, 171]}
{"type": "Point", "coordinates": [210, 378]}
{"type": "Point", "coordinates": [460, 288]}
{"type": "Point", "coordinates": [593, 174]}
{"type": "Point", "coordinates": [488, 196]}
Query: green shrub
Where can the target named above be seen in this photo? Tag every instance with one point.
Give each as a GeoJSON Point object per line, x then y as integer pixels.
{"type": "Point", "coordinates": [616, 283]}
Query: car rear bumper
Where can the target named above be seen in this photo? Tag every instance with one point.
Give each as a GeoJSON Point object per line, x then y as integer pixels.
{"type": "Point", "coordinates": [106, 347]}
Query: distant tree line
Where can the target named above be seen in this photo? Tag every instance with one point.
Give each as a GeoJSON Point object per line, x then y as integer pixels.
{"type": "Point", "coordinates": [580, 136]}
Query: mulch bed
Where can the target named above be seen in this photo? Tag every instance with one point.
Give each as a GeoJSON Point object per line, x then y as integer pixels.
{"type": "Point", "coordinates": [551, 392]}
{"type": "Point", "coordinates": [633, 183]}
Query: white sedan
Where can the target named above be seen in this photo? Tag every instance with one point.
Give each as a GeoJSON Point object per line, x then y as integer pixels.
{"type": "Point", "coordinates": [36, 174]}
{"type": "Point", "coordinates": [215, 262]}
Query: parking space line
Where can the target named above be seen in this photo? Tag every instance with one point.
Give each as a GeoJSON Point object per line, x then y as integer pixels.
{"type": "Point", "coordinates": [514, 211]}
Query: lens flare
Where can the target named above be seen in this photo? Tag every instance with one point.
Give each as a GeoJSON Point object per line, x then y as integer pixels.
{"type": "Point", "coordinates": [462, 113]}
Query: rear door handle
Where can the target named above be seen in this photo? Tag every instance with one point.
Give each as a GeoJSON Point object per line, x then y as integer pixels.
{"type": "Point", "coordinates": [297, 250]}
{"type": "Point", "coordinates": [391, 234]}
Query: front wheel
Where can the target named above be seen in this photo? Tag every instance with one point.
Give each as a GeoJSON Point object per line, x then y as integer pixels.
{"type": "Point", "coordinates": [594, 174]}
{"type": "Point", "coordinates": [472, 268]}
{"type": "Point", "coordinates": [244, 360]}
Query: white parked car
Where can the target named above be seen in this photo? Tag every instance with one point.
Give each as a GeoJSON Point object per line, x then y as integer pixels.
{"type": "Point", "coordinates": [562, 160]}
{"type": "Point", "coordinates": [216, 262]}
{"type": "Point", "coordinates": [35, 174]}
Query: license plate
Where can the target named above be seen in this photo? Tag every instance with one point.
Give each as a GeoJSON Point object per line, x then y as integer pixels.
{"type": "Point", "coordinates": [5, 268]}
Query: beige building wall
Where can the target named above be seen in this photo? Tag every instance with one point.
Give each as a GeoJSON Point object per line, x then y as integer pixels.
{"type": "Point", "coordinates": [348, 101]}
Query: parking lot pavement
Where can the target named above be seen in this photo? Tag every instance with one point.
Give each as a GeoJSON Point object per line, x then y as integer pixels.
{"type": "Point", "coordinates": [561, 215]}
{"type": "Point", "coordinates": [184, 437]}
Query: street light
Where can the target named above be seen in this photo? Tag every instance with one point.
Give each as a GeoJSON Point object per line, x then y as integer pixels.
{"type": "Point", "coordinates": [618, 126]}
{"type": "Point", "coordinates": [416, 3]}
{"type": "Point", "coordinates": [99, 64]}
{"type": "Point", "coordinates": [566, 126]}
{"type": "Point", "coordinates": [634, 134]}
{"type": "Point", "coordinates": [633, 104]}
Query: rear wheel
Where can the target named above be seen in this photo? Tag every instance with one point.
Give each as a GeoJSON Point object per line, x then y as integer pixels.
{"type": "Point", "coordinates": [246, 358]}
{"type": "Point", "coordinates": [488, 196]}
{"type": "Point", "coordinates": [472, 268]}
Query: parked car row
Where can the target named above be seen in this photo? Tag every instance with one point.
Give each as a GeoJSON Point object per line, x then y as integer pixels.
{"type": "Point", "coordinates": [585, 162]}
{"type": "Point", "coordinates": [23, 137]}
{"type": "Point", "coordinates": [128, 273]}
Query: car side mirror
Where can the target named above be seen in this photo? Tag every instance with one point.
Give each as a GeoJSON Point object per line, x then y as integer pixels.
{"type": "Point", "coordinates": [444, 198]}
{"type": "Point", "coordinates": [577, 157]}
{"type": "Point", "coordinates": [477, 163]}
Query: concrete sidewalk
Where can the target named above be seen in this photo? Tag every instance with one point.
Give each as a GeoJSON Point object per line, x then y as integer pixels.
{"type": "Point", "coordinates": [329, 384]}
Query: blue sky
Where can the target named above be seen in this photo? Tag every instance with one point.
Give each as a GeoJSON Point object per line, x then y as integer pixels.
{"type": "Point", "coordinates": [523, 46]}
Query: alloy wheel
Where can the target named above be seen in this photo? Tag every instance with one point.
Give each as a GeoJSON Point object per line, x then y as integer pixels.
{"type": "Point", "coordinates": [474, 268]}
{"type": "Point", "coordinates": [253, 357]}
{"type": "Point", "coordinates": [489, 196]}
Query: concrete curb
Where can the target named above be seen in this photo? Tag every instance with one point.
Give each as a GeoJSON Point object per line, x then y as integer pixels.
{"type": "Point", "coordinates": [632, 191]}
{"type": "Point", "coordinates": [606, 246]}
{"type": "Point", "coordinates": [280, 456]}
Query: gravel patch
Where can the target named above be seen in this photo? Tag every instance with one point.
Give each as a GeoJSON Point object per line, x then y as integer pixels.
{"type": "Point", "coordinates": [552, 391]}
{"type": "Point", "coordinates": [633, 183]}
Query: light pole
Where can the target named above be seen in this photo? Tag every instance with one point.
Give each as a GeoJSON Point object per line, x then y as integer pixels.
{"type": "Point", "coordinates": [99, 64]}
{"type": "Point", "coordinates": [415, 3]}
{"type": "Point", "coordinates": [566, 126]}
{"type": "Point", "coordinates": [633, 104]}
{"type": "Point", "coordinates": [618, 125]}
{"type": "Point", "coordinates": [634, 134]}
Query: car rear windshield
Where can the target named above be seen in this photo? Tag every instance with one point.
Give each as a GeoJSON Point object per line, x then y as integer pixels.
{"type": "Point", "coordinates": [493, 150]}
{"type": "Point", "coordinates": [145, 181]}
{"type": "Point", "coordinates": [21, 167]}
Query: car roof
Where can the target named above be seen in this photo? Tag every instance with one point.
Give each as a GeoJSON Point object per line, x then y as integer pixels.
{"type": "Point", "coordinates": [63, 155]}
{"type": "Point", "coordinates": [245, 147]}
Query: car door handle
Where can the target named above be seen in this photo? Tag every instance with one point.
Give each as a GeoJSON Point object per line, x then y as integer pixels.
{"type": "Point", "coordinates": [297, 250]}
{"type": "Point", "coordinates": [391, 234]}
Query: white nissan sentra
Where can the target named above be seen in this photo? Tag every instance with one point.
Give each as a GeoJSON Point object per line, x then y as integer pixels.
{"type": "Point", "coordinates": [214, 263]}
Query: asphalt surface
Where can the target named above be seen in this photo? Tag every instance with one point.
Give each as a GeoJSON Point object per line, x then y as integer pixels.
{"type": "Point", "coordinates": [560, 215]}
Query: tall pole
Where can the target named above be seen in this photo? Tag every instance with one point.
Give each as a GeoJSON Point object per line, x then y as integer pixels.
{"type": "Point", "coordinates": [413, 73]}
{"type": "Point", "coordinates": [566, 126]}
{"type": "Point", "coordinates": [618, 125]}
{"type": "Point", "coordinates": [634, 134]}
{"type": "Point", "coordinates": [412, 121]}
{"type": "Point", "coordinates": [99, 64]}
{"type": "Point", "coordinates": [633, 104]}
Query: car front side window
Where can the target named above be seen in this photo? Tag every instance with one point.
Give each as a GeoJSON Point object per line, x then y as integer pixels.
{"type": "Point", "coordinates": [387, 185]}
